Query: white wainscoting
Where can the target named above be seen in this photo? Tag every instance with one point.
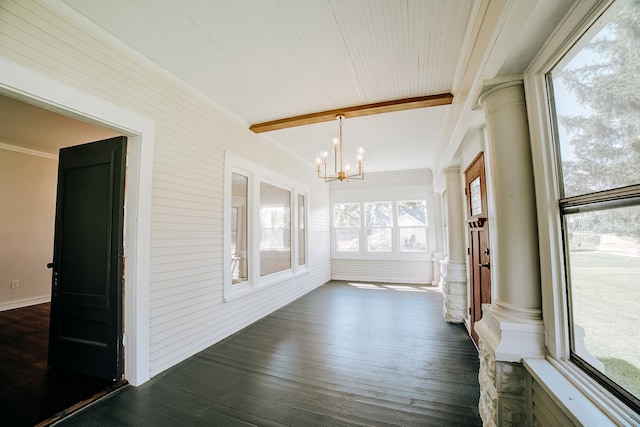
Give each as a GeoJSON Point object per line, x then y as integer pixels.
{"type": "Point", "coordinates": [391, 271]}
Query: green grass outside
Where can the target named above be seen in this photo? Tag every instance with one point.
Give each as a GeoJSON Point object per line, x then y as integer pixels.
{"type": "Point", "coordinates": [606, 303]}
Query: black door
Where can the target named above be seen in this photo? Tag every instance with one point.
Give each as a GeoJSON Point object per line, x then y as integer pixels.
{"type": "Point", "coordinates": [86, 297]}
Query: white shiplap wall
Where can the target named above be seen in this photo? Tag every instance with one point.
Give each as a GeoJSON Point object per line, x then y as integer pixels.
{"type": "Point", "coordinates": [418, 272]}
{"type": "Point", "coordinates": [187, 312]}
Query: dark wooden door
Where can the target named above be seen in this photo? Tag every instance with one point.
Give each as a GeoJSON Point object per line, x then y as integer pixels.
{"type": "Point", "coordinates": [86, 298]}
{"type": "Point", "coordinates": [478, 251]}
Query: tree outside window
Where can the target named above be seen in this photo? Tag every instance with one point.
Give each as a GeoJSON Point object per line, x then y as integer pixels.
{"type": "Point", "coordinates": [379, 223]}
{"type": "Point", "coordinates": [346, 223]}
{"type": "Point", "coordinates": [596, 94]}
{"type": "Point", "coordinates": [412, 224]}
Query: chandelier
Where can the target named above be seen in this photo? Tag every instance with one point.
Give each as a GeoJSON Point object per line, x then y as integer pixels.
{"type": "Point", "coordinates": [341, 168]}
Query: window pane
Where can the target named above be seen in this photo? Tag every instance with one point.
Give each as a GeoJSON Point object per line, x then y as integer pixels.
{"type": "Point", "coordinates": [378, 214]}
{"type": "Point", "coordinates": [347, 239]}
{"type": "Point", "coordinates": [476, 197]}
{"type": "Point", "coordinates": [275, 229]}
{"type": "Point", "coordinates": [412, 213]}
{"type": "Point", "coordinates": [604, 273]}
{"type": "Point", "coordinates": [301, 227]}
{"type": "Point", "coordinates": [597, 108]}
{"type": "Point", "coordinates": [239, 194]}
{"type": "Point", "coordinates": [413, 239]}
{"type": "Point", "coordinates": [346, 215]}
{"type": "Point", "coordinates": [379, 239]}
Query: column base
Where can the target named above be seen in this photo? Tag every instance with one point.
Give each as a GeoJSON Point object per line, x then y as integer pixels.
{"type": "Point", "coordinates": [506, 336]}
{"type": "Point", "coordinates": [512, 333]}
{"type": "Point", "coordinates": [502, 391]}
{"type": "Point", "coordinates": [453, 282]}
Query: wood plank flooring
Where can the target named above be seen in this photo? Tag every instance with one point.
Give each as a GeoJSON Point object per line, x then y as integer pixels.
{"type": "Point", "coordinates": [340, 356]}
{"type": "Point", "coordinates": [29, 392]}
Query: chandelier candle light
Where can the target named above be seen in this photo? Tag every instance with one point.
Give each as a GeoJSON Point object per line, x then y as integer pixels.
{"type": "Point", "coordinates": [341, 170]}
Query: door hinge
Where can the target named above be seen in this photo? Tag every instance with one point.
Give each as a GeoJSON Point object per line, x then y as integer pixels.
{"type": "Point", "coordinates": [468, 251]}
{"type": "Point", "coordinates": [123, 340]}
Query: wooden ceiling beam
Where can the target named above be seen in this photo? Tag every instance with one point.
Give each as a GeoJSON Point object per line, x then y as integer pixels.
{"type": "Point", "coordinates": [355, 111]}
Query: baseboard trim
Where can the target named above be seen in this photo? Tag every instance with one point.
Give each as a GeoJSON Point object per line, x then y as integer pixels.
{"type": "Point", "coordinates": [10, 305]}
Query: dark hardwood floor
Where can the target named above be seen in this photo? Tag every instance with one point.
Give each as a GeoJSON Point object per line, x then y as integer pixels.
{"type": "Point", "coordinates": [339, 356]}
{"type": "Point", "coordinates": [29, 392]}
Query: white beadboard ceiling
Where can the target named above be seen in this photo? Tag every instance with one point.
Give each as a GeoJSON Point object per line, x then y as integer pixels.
{"type": "Point", "coordinates": [264, 60]}
{"type": "Point", "coordinates": [270, 59]}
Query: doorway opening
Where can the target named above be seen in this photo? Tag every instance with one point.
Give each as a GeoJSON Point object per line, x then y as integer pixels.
{"type": "Point", "coordinates": [31, 138]}
{"type": "Point", "coordinates": [479, 253]}
{"type": "Point", "coordinates": [36, 90]}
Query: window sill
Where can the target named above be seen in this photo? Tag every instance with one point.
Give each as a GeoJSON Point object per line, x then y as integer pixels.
{"type": "Point", "coordinates": [384, 256]}
{"type": "Point", "coordinates": [579, 397]}
{"type": "Point", "coordinates": [241, 290]}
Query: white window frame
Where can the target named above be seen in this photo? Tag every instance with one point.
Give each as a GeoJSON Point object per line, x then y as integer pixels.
{"type": "Point", "coordinates": [256, 175]}
{"type": "Point", "coordinates": [359, 228]}
{"type": "Point", "coordinates": [399, 227]}
{"type": "Point", "coordinates": [395, 233]}
{"type": "Point", "coordinates": [593, 397]}
{"type": "Point", "coordinates": [373, 196]}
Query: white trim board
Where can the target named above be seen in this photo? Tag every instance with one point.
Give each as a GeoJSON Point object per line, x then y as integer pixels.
{"type": "Point", "coordinates": [17, 149]}
{"type": "Point", "coordinates": [10, 305]}
{"type": "Point", "coordinates": [34, 88]}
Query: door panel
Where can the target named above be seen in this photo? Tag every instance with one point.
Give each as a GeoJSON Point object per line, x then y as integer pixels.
{"type": "Point", "coordinates": [86, 300]}
{"type": "Point", "coordinates": [479, 252]}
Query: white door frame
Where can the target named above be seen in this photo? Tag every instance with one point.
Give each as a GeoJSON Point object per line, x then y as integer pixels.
{"type": "Point", "coordinates": [37, 89]}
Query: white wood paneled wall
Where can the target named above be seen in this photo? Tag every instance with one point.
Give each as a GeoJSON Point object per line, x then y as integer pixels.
{"type": "Point", "coordinates": [545, 411]}
{"type": "Point", "coordinates": [389, 271]}
{"type": "Point", "coordinates": [187, 312]}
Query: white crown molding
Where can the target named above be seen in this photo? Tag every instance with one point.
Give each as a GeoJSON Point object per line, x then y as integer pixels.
{"type": "Point", "coordinates": [10, 147]}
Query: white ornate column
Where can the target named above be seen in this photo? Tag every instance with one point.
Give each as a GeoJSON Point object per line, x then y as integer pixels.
{"type": "Point", "coordinates": [511, 327]}
{"type": "Point", "coordinates": [453, 271]}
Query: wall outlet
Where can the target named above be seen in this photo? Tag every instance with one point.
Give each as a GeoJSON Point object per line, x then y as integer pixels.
{"type": "Point", "coordinates": [15, 284]}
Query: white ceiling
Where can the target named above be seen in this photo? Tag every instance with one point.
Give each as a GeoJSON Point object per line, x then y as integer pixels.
{"type": "Point", "coordinates": [270, 59]}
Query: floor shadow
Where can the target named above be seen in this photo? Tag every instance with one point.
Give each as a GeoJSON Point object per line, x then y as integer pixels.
{"type": "Point", "coordinates": [30, 393]}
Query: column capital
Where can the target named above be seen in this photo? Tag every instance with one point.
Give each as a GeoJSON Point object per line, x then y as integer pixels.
{"type": "Point", "coordinates": [450, 171]}
{"type": "Point", "coordinates": [494, 85]}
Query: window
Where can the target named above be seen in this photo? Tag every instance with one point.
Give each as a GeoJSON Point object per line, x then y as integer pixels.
{"type": "Point", "coordinates": [379, 226]}
{"type": "Point", "coordinates": [597, 127]}
{"type": "Point", "coordinates": [346, 223]}
{"type": "Point", "coordinates": [412, 223]}
{"type": "Point", "coordinates": [476, 197]}
{"type": "Point", "coordinates": [388, 228]}
{"type": "Point", "coordinates": [275, 229]}
{"type": "Point", "coordinates": [302, 217]}
{"type": "Point", "coordinates": [239, 227]}
{"type": "Point", "coordinates": [264, 227]}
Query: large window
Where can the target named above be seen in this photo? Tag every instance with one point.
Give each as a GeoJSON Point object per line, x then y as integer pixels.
{"type": "Point", "coordinates": [302, 238]}
{"type": "Point", "coordinates": [265, 227]}
{"type": "Point", "coordinates": [597, 125]}
{"type": "Point", "coordinates": [379, 226]}
{"type": "Point", "coordinates": [239, 227]}
{"type": "Point", "coordinates": [275, 229]}
{"type": "Point", "coordinates": [346, 227]}
{"type": "Point", "coordinates": [386, 228]}
{"type": "Point", "coordinates": [412, 222]}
